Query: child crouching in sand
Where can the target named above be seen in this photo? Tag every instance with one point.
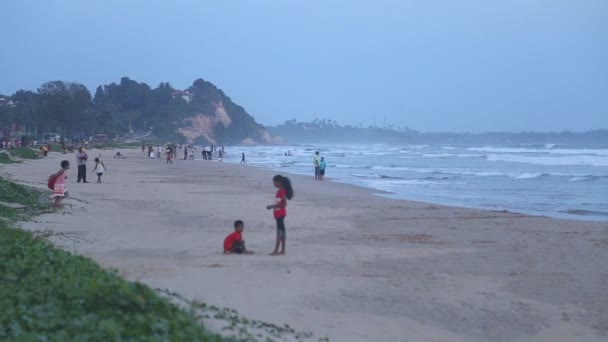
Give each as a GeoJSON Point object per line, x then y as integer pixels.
{"type": "Point", "coordinates": [284, 193]}
{"type": "Point", "coordinates": [234, 243]}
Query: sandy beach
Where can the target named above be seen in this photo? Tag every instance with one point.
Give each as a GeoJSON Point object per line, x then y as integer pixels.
{"type": "Point", "coordinates": [359, 267]}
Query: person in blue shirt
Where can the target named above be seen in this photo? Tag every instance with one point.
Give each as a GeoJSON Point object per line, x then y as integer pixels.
{"type": "Point", "coordinates": [322, 167]}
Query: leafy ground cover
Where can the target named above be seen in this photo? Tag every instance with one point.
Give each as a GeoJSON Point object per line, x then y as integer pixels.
{"type": "Point", "coordinates": [5, 158]}
{"type": "Point", "coordinates": [24, 153]}
{"type": "Point", "coordinates": [49, 294]}
{"type": "Point", "coordinates": [29, 201]}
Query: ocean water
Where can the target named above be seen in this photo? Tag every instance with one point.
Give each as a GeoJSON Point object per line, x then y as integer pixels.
{"type": "Point", "coordinates": [550, 180]}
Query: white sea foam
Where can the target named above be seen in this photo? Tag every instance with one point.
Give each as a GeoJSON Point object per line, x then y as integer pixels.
{"type": "Point", "coordinates": [550, 160]}
{"type": "Point", "coordinates": [452, 155]}
{"type": "Point", "coordinates": [521, 150]}
{"type": "Point", "coordinates": [529, 175]}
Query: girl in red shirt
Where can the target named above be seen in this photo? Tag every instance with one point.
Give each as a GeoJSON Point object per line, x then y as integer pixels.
{"type": "Point", "coordinates": [284, 193]}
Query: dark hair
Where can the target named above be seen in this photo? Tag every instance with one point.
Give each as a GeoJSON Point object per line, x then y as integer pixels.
{"type": "Point", "coordinates": [64, 163]}
{"type": "Point", "coordinates": [96, 160]}
{"type": "Point", "coordinates": [238, 223]}
{"type": "Point", "coordinates": [286, 183]}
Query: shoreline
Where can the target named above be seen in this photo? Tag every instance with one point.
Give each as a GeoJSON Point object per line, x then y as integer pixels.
{"type": "Point", "coordinates": [572, 215]}
{"type": "Point", "coordinates": [539, 183]}
{"type": "Point", "coordinates": [358, 266]}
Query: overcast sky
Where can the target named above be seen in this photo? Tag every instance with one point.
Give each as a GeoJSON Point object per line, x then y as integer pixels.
{"type": "Point", "coordinates": [430, 65]}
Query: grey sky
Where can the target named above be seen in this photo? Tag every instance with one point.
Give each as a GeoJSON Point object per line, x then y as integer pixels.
{"type": "Point", "coordinates": [430, 65]}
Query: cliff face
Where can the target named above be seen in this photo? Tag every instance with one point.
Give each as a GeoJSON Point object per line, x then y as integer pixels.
{"type": "Point", "coordinates": [216, 119]}
{"type": "Point", "coordinates": [201, 114]}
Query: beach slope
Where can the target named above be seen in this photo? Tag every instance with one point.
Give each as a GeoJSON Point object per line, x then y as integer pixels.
{"type": "Point", "coordinates": [359, 267]}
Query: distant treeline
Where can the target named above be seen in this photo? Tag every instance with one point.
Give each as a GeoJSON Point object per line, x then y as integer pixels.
{"type": "Point", "coordinates": [69, 109]}
{"type": "Point", "coordinates": [329, 131]}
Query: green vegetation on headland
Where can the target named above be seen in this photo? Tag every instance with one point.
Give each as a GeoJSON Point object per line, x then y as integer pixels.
{"type": "Point", "coordinates": [201, 113]}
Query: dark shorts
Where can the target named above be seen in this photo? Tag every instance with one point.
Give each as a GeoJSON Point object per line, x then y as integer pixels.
{"type": "Point", "coordinates": [322, 172]}
{"type": "Point", "coordinates": [281, 227]}
{"type": "Point", "coordinates": [317, 170]}
{"type": "Point", "coordinates": [99, 174]}
{"type": "Point", "coordinates": [238, 247]}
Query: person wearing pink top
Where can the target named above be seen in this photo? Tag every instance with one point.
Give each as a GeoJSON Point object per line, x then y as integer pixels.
{"type": "Point", "coordinates": [59, 189]}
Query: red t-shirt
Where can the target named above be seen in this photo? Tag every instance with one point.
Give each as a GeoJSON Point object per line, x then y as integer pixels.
{"type": "Point", "coordinates": [281, 200]}
{"type": "Point", "coordinates": [231, 239]}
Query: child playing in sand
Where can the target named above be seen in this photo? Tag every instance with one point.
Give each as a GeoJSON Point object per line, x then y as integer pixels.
{"type": "Point", "coordinates": [99, 168]}
{"type": "Point", "coordinates": [234, 243]}
{"type": "Point", "coordinates": [59, 188]}
{"type": "Point", "coordinates": [284, 193]}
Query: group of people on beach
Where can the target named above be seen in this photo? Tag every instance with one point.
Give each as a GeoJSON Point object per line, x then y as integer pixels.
{"type": "Point", "coordinates": [234, 242]}
{"type": "Point", "coordinates": [320, 165]}
{"type": "Point", "coordinates": [56, 181]}
{"type": "Point", "coordinates": [171, 151]}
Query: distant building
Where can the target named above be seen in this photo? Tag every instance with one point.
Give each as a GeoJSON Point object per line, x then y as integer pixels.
{"type": "Point", "coordinates": [6, 101]}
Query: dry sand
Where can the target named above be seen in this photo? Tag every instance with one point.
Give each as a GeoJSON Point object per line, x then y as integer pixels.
{"type": "Point", "coordinates": [359, 267]}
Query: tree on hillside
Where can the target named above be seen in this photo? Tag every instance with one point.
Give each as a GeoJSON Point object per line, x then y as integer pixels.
{"type": "Point", "coordinates": [67, 105]}
{"type": "Point", "coordinates": [24, 112]}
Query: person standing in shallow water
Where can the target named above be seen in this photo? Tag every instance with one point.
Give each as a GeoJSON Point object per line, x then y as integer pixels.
{"type": "Point", "coordinates": [243, 158]}
{"type": "Point", "coordinates": [81, 160]}
{"type": "Point", "coordinates": [317, 162]}
{"type": "Point", "coordinates": [322, 166]}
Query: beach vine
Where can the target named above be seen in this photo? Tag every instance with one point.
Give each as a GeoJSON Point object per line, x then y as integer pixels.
{"type": "Point", "coordinates": [237, 326]}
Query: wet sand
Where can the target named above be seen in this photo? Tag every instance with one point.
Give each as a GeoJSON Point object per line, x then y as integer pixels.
{"type": "Point", "coordinates": [359, 267]}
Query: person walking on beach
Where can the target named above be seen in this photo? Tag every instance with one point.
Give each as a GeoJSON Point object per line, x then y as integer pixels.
{"type": "Point", "coordinates": [322, 167]}
{"type": "Point", "coordinates": [58, 182]}
{"type": "Point", "coordinates": [159, 151]}
{"type": "Point", "coordinates": [81, 160]}
{"type": "Point", "coordinates": [169, 154]}
{"type": "Point", "coordinates": [243, 158]}
{"type": "Point", "coordinates": [284, 193]}
{"type": "Point", "coordinates": [99, 168]}
{"type": "Point", "coordinates": [316, 159]}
